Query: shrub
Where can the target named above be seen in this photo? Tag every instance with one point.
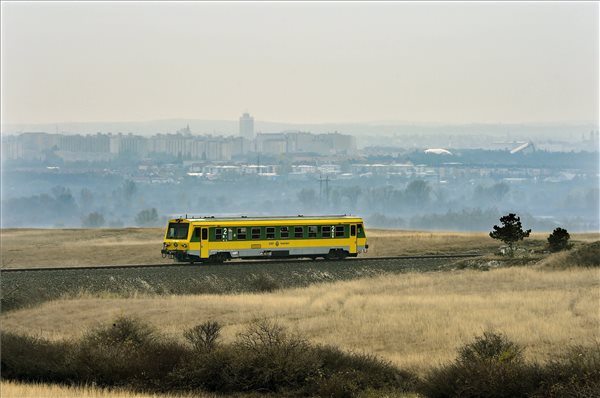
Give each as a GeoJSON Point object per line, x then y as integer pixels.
{"type": "Point", "coordinates": [558, 240]}
{"type": "Point", "coordinates": [33, 359]}
{"type": "Point", "coordinates": [491, 366]}
{"type": "Point", "coordinates": [348, 372]}
{"type": "Point", "coordinates": [270, 359]}
{"type": "Point", "coordinates": [126, 352]}
{"type": "Point", "coordinates": [264, 283]}
{"type": "Point", "coordinates": [492, 347]}
{"type": "Point", "coordinates": [573, 374]}
{"type": "Point", "coordinates": [264, 358]}
{"type": "Point", "coordinates": [586, 256]}
{"type": "Point", "coordinates": [203, 337]}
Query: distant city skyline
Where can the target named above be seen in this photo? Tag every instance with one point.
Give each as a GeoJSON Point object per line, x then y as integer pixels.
{"type": "Point", "coordinates": [300, 63]}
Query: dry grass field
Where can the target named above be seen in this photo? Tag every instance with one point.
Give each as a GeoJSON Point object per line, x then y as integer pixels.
{"type": "Point", "coordinates": [72, 247]}
{"type": "Point", "coordinates": [9, 389]}
{"type": "Point", "coordinates": [415, 320]}
{"type": "Point", "coordinates": [65, 247]}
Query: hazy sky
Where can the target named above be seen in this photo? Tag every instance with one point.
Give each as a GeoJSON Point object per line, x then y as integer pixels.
{"type": "Point", "coordinates": [300, 62]}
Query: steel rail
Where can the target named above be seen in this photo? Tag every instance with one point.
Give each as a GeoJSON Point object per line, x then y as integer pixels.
{"type": "Point", "coordinates": [248, 262]}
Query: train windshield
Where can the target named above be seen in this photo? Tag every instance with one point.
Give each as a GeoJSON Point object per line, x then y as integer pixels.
{"type": "Point", "coordinates": [177, 231]}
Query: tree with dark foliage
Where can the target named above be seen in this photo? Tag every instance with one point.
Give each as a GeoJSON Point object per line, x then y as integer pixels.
{"type": "Point", "coordinates": [510, 232]}
{"type": "Point", "coordinates": [147, 217]}
{"type": "Point", "coordinates": [559, 240]}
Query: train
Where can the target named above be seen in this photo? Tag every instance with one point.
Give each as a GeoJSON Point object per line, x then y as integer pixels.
{"type": "Point", "coordinates": [220, 239]}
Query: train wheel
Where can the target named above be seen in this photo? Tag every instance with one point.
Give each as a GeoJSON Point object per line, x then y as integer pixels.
{"type": "Point", "coordinates": [216, 259]}
{"type": "Point", "coordinates": [337, 254]}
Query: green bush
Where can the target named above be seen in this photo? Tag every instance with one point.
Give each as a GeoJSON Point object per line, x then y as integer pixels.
{"type": "Point", "coordinates": [491, 347]}
{"type": "Point", "coordinates": [558, 240]}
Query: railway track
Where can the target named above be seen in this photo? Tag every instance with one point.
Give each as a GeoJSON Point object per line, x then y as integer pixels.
{"type": "Point", "coordinates": [248, 262]}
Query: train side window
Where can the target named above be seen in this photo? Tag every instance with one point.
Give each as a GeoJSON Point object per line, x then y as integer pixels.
{"type": "Point", "coordinates": [352, 230]}
{"type": "Point", "coordinates": [312, 231]}
{"type": "Point", "coordinates": [270, 232]}
{"type": "Point", "coordinates": [218, 233]}
{"type": "Point", "coordinates": [360, 230]}
{"type": "Point", "coordinates": [298, 232]}
{"type": "Point", "coordinates": [339, 231]}
{"type": "Point", "coordinates": [255, 233]}
{"type": "Point", "coordinates": [241, 233]}
{"type": "Point", "coordinates": [204, 233]}
{"type": "Point", "coordinates": [284, 232]}
{"type": "Point", "coordinates": [326, 231]}
{"type": "Point", "coordinates": [197, 233]}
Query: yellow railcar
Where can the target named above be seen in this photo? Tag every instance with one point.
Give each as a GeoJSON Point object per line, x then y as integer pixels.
{"type": "Point", "coordinates": [211, 239]}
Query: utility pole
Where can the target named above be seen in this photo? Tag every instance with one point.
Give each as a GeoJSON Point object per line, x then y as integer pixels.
{"type": "Point", "coordinates": [320, 189]}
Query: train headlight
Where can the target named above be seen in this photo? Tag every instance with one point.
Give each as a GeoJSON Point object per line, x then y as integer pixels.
{"type": "Point", "coordinates": [175, 244]}
{"type": "Point", "coordinates": [184, 245]}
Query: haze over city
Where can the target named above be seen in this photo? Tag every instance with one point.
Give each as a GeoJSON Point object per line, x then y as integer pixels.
{"type": "Point", "coordinates": [407, 113]}
{"type": "Point", "coordinates": [303, 63]}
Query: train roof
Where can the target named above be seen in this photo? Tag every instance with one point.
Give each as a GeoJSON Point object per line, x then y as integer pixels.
{"type": "Point", "coordinates": [269, 218]}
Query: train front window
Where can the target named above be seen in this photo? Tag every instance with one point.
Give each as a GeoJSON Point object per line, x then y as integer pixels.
{"type": "Point", "coordinates": [178, 231]}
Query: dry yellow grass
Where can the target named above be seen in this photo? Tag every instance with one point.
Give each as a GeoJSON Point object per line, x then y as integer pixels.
{"type": "Point", "coordinates": [9, 389]}
{"type": "Point", "coordinates": [414, 320]}
{"type": "Point", "coordinates": [65, 247]}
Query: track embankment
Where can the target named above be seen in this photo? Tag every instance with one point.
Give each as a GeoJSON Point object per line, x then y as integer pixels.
{"type": "Point", "coordinates": [250, 262]}
{"type": "Point", "coordinates": [24, 287]}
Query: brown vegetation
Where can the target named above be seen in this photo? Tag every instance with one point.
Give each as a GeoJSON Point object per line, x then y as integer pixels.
{"type": "Point", "coordinates": [410, 319]}
{"type": "Point", "coordinates": [66, 247]}
{"type": "Point", "coordinates": [12, 389]}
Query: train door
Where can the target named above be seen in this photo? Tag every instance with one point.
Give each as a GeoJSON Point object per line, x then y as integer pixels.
{"type": "Point", "coordinates": [204, 243]}
{"type": "Point", "coordinates": [353, 238]}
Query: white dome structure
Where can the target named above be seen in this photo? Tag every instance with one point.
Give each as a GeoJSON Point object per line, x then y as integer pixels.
{"type": "Point", "coordinates": [438, 151]}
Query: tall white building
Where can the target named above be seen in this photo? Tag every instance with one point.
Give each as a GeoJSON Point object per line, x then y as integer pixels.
{"type": "Point", "coordinates": [247, 126]}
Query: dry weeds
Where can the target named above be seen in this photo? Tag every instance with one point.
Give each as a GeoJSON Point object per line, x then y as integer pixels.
{"type": "Point", "coordinates": [10, 389]}
{"type": "Point", "coordinates": [414, 320]}
{"type": "Point", "coordinates": [65, 247]}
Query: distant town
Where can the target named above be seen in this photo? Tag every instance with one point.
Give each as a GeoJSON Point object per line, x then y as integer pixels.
{"type": "Point", "coordinates": [300, 171]}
